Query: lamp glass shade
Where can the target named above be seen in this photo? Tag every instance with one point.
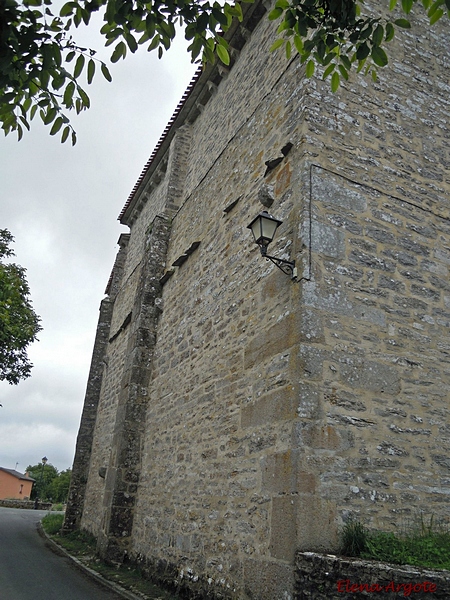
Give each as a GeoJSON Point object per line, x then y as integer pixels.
{"type": "Point", "coordinates": [263, 228]}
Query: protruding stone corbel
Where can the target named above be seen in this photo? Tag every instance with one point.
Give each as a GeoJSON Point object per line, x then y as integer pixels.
{"type": "Point", "coordinates": [212, 87]}
{"type": "Point", "coordinates": [234, 53]}
{"type": "Point", "coordinates": [266, 195]}
{"type": "Point", "coordinates": [245, 32]}
{"type": "Point", "coordinates": [223, 71]}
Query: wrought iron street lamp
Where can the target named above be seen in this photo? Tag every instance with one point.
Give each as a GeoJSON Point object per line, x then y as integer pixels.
{"type": "Point", "coordinates": [263, 228]}
{"type": "Point", "coordinates": [41, 484]}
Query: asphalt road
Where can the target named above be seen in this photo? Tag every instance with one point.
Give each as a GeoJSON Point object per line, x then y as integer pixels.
{"type": "Point", "coordinates": [29, 570]}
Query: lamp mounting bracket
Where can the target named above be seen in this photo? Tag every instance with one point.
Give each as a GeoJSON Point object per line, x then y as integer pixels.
{"type": "Point", "coordinates": [287, 266]}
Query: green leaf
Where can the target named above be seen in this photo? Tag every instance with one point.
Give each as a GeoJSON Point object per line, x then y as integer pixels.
{"type": "Point", "coordinates": [407, 5]}
{"type": "Point", "coordinates": [328, 58]}
{"type": "Point", "coordinates": [346, 62]}
{"type": "Point", "coordinates": [58, 82]}
{"type": "Point", "coordinates": [403, 23]}
{"type": "Point", "coordinates": [379, 56]}
{"type": "Point", "coordinates": [321, 49]}
{"type": "Point", "coordinates": [236, 11]}
{"type": "Point", "coordinates": [150, 25]}
{"type": "Point", "coordinates": [208, 55]}
{"type": "Point", "coordinates": [437, 15]}
{"type": "Point", "coordinates": [363, 51]}
{"type": "Point", "coordinates": [366, 33]}
{"type": "Point", "coordinates": [298, 43]}
{"type": "Point", "coordinates": [275, 14]}
{"type": "Point", "coordinates": [120, 50]}
{"type": "Point", "coordinates": [45, 78]}
{"type": "Point", "coordinates": [84, 97]}
{"type": "Point", "coordinates": [328, 70]}
{"type": "Point", "coordinates": [68, 94]}
{"type": "Point", "coordinates": [392, 4]}
{"type": "Point", "coordinates": [343, 71]}
{"type": "Point", "coordinates": [110, 12]}
{"type": "Point", "coordinates": [378, 35]}
{"type": "Point", "coordinates": [277, 44]}
{"type": "Point", "coordinates": [390, 32]}
{"type": "Point", "coordinates": [79, 66]}
{"type": "Point", "coordinates": [26, 105]}
{"type": "Point", "coordinates": [434, 6]}
{"type": "Point", "coordinates": [361, 64]}
{"type": "Point", "coordinates": [25, 122]}
{"type": "Point", "coordinates": [105, 71]}
{"type": "Point", "coordinates": [90, 71]}
{"type": "Point", "coordinates": [220, 16]}
{"type": "Point", "coordinates": [154, 44]}
{"type": "Point", "coordinates": [132, 44]}
{"type": "Point", "coordinates": [56, 126]}
{"type": "Point", "coordinates": [310, 68]}
{"type": "Point", "coordinates": [57, 54]}
{"type": "Point", "coordinates": [33, 87]}
{"type": "Point", "coordinates": [67, 9]}
{"type": "Point", "coordinates": [8, 97]}
{"type": "Point", "coordinates": [223, 54]}
{"type": "Point", "coordinates": [50, 115]}
{"type": "Point", "coordinates": [65, 134]}
{"type": "Point", "coordinates": [288, 50]}
{"type": "Point", "coordinates": [335, 81]}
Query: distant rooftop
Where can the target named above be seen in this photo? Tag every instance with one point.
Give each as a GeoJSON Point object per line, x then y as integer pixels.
{"type": "Point", "coordinates": [15, 473]}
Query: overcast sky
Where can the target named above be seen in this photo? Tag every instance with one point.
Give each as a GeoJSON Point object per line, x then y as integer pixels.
{"type": "Point", "coordinates": [61, 203]}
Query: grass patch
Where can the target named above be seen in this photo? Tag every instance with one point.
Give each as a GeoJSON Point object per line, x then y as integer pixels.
{"type": "Point", "coordinates": [83, 546]}
{"type": "Point", "coordinates": [52, 523]}
{"type": "Point", "coordinates": [422, 545]}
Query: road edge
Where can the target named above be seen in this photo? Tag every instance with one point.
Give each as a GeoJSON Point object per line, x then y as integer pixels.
{"type": "Point", "coordinates": [115, 587]}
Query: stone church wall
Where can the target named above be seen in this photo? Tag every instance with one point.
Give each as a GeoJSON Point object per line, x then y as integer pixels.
{"type": "Point", "coordinates": [243, 416]}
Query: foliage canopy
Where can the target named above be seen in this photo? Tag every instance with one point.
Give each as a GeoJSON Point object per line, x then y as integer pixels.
{"type": "Point", "coordinates": [41, 64]}
{"type": "Point", "coordinates": [19, 324]}
{"type": "Point", "coordinates": [50, 484]}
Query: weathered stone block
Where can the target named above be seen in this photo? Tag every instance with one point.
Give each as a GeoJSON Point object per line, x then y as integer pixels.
{"type": "Point", "coordinates": [278, 405]}
{"type": "Point", "coordinates": [283, 536]}
{"type": "Point", "coordinates": [370, 375]}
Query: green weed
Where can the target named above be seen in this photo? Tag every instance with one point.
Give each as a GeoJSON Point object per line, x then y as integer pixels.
{"type": "Point", "coordinates": [52, 523]}
{"type": "Point", "coordinates": [354, 538]}
{"type": "Point", "coordinates": [420, 544]}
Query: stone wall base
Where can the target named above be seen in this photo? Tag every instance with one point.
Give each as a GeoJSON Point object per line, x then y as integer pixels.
{"type": "Point", "coordinates": [28, 504]}
{"type": "Point", "coordinates": [183, 581]}
{"type": "Point", "coordinates": [329, 577]}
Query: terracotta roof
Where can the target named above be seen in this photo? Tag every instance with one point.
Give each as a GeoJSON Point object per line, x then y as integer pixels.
{"type": "Point", "coordinates": [16, 474]}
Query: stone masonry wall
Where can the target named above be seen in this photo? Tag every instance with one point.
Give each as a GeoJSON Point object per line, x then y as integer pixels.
{"type": "Point", "coordinates": [84, 447]}
{"type": "Point", "coordinates": [295, 405]}
{"type": "Point", "coordinates": [86, 486]}
{"type": "Point", "coordinates": [328, 577]}
{"type": "Point", "coordinates": [270, 411]}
